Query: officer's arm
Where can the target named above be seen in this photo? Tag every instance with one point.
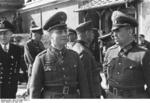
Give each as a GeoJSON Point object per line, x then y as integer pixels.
{"type": "Point", "coordinates": [36, 79]}
{"type": "Point", "coordinates": [28, 55]}
{"type": "Point", "coordinates": [83, 82]}
{"type": "Point", "coordinates": [96, 78]}
{"type": "Point", "coordinates": [146, 69]}
{"type": "Point", "coordinates": [87, 66]}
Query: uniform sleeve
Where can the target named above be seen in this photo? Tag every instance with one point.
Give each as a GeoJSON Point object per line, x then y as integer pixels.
{"type": "Point", "coordinates": [96, 79]}
{"type": "Point", "coordinates": [146, 69]}
{"type": "Point", "coordinates": [27, 54]}
{"type": "Point", "coordinates": [87, 66]}
{"type": "Point", "coordinates": [36, 82]}
{"type": "Point", "coordinates": [83, 82]}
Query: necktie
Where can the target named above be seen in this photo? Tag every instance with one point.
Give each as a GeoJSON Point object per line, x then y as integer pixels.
{"type": "Point", "coordinates": [5, 48]}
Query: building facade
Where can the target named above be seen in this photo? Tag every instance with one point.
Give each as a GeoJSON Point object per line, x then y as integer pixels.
{"type": "Point", "coordinates": [102, 10]}
{"type": "Point", "coordinates": [8, 8]}
{"type": "Point", "coordinates": [40, 10]}
{"type": "Point", "coordinates": [144, 18]}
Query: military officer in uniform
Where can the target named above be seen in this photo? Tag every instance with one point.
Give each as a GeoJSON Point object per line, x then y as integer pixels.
{"type": "Point", "coordinates": [57, 71]}
{"type": "Point", "coordinates": [144, 43]}
{"type": "Point", "coordinates": [10, 56]}
{"type": "Point", "coordinates": [85, 36]}
{"type": "Point", "coordinates": [127, 64]}
{"type": "Point", "coordinates": [33, 47]}
{"type": "Point", "coordinates": [72, 36]}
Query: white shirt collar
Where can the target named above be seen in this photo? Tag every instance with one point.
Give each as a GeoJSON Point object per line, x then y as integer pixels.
{"type": "Point", "coordinates": [7, 46]}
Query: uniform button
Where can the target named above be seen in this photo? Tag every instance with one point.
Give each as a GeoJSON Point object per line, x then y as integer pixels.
{"type": "Point", "coordinates": [1, 77]}
{"type": "Point", "coordinates": [9, 78]}
{"type": "Point", "coordinates": [10, 73]}
{"type": "Point", "coordinates": [9, 82]}
{"type": "Point", "coordinates": [63, 68]}
{"type": "Point", "coordinates": [1, 72]}
{"type": "Point", "coordinates": [66, 82]}
{"type": "Point", "coordinates": [64, 76]}
{"type": "Point", "coordinates": [131, 67]}
{"type": "Point", "coordinates": [11, 69]}
{"type": "Point", "coordinates": [119, 63]}
{"type": "Point", "coordinates": [75, 66]}
{"type": "Point", "coordinates": [12, 57]}
{"type": "Point", "coordinates": [1, 68]}
{"type": "Point", "coordinates": [118, 73]}
{"type": "Point", "coordinates": [12, 64]}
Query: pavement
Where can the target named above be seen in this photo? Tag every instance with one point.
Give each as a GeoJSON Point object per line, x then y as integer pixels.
{"type": "Point", "coordinates": [21, 92]}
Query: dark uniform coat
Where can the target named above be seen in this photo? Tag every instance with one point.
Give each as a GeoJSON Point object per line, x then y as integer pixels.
{"type": "Point", "coordinates": [145, 44]}
{"type": "Point", "coordinates": [9, 70]}
{"type": "Point", "coordinates": [90, 66]}
{"type": "Point", "coordinates": [58, 74]}
{"type": "Point", "coordinates": [128, 71]}
{"type": "Point", "coordinates": [31, 49]}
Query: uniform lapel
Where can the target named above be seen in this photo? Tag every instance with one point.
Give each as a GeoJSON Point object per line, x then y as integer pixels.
{"type": "Point", "coordinates": [10, 48]}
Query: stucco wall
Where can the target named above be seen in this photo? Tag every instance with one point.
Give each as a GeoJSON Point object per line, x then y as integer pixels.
{"type": "Point", "coordinates": [144, 18]}
{"type": "Point", "coordinates": [41, 15]}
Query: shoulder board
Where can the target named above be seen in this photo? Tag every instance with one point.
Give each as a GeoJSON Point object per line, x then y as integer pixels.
{"type": "Point", "coordinates": [42, 53]}
{"type": "Point", "coordinates": [29, 41]}
{"type": "Point", "coordinates": [113, 47]}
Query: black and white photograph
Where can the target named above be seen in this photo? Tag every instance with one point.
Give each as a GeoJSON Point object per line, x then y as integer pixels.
{"type": "Point", "coordinates": [74, 51]}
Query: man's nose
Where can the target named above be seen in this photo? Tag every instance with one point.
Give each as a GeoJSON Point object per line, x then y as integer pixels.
{"type": "Point", "coordinates": [115, 34]}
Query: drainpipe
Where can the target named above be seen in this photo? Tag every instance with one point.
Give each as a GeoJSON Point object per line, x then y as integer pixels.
{"type": "Point", "coordinates": [41, 17]}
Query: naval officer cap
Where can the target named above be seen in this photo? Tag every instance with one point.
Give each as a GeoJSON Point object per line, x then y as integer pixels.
{"type": "Point", "coordinates": [120, 19]}
{"type": "Point", "coordinates": [36, 29]}
{"type": "Point", "coordinates": [84, 26]}
{"type": "Point", "coordinates": [5, 26]}
{"type": "Point", "coordinates": [56, 22]}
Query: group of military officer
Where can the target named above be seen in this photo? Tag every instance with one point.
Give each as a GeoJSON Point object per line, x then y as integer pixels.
{"type": "Point", "coordinates": [61, 72]}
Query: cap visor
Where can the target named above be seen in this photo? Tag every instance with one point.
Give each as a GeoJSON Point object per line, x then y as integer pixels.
{"type": "Point", "coordinates": [58, 27]}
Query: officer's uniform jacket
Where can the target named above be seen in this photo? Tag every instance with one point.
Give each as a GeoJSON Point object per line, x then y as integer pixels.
{"type": "Point", "coordinates": [145, 45]}
{"type": "Point", "coordinates": [90, 66]}
{"type": "Point", "coordinates": [58, 69]}
{"type": "Point", "coordinates": [9, 70]}
{"type": "Point", "coordinates": [128, 67]}
{"type": "Point", "coordinates": [31, 49]}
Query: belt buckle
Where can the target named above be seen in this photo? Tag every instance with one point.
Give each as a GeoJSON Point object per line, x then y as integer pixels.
{"type": "Point", "coordinates": [115, 91]}
{"type": "Point", "coordinates": [65, 90]}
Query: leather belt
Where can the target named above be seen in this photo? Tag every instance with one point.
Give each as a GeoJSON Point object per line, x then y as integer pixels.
{"type": "Point", "coordinates": [62, 89]}
{"type": "Point", "coordinates": [120, 91]}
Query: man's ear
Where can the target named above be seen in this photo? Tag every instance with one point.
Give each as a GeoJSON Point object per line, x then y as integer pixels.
{"type": "Point", "coordinates": [130, 30]}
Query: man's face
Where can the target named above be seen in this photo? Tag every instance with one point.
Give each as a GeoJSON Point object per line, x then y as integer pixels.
{"type": "Point", "coordinates": [36, 36]}
{"type": "Point", "coordinates": [72, 37]}
{"type": "Point", "coordinates": [89, 36]}
{"type": "Point", "coordinates": [141, 39]}
{"type": "Point", "coordinates": [5, 36]}
{"type": "Point", "coordinates": [59, 37]}
{"type": "Point", "coordinates": [121, 35]}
